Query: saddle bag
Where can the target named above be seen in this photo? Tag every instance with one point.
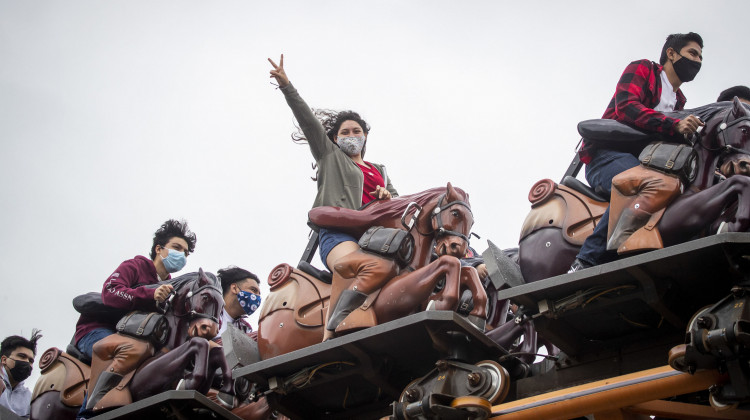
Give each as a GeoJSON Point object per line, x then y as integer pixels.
{"type": "Point", "coordinates": [397, 244]}
{"type": "Point", "coordinates": [669, 158]}
{"type": "Point", "coordinates": [150, 326]}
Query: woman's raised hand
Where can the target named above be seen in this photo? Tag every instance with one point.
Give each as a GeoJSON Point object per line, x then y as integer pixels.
{"type": "Point", "coordinates": [278, 72]}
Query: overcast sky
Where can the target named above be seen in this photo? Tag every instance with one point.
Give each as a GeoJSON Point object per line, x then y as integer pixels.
{"type": "Point", "coordinates": [118, 115]}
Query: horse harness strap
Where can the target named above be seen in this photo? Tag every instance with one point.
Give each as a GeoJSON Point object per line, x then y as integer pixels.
{"type": "Point", "coordinates": [723, 127]}
{"type": "Point", "coordinates": [192, 313]}
{"type": "Point", "coordinates": [441, 231]}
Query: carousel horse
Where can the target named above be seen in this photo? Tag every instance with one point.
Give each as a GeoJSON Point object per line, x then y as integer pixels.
{"type": "Point", "coordinates": [135, 368]}
{"type": "Point", "coordinates": [295, 312]}
{"type": "Point", "coordinates": [716, 197]}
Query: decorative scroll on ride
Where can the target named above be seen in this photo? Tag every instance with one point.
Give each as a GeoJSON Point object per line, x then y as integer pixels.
{"type": "Point", "coordinates": [193, 312]}
{"type": "Point", "coordinates": [562, 217]}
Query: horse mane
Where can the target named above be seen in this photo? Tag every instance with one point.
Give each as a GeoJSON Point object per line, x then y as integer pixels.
{"type": "Point", "coordinates": [375, 212]}
{"type": "Point", "coordinates": [705, 112]}
{"type": "Point", "coordinates": [180, 281]}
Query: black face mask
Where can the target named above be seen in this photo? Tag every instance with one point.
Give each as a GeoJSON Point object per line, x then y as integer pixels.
{"type": "Point", "coordinates": [20, 371]}
{"type": "Point", "coordinates": [686, 69]}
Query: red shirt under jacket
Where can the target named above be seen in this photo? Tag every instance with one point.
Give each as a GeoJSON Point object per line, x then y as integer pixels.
{"type": "Point", "coordinates": [373, 178]}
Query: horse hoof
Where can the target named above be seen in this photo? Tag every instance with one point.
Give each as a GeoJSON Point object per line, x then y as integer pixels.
{"type": "Point", "coordinates": [477, 322]}
{"type": "Point", "coordinates": [430, 306]}
{"type": "Point", "coordinates": [180, 385]}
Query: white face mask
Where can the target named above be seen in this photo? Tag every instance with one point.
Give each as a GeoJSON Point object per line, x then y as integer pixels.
{"type": "Point", "coordinates": [352, 146]}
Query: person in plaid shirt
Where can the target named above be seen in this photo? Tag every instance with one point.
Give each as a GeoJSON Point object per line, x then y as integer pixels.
{"type": "Point", "coordinates": [644, 92]}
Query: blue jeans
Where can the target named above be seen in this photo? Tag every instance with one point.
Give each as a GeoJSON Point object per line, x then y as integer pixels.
{"type": "Point", "coordinates": [604, 165]}
{"type": "Point", "coordinates": [86, 343]}
{"type": "Point", "coordinates": [329, 239]}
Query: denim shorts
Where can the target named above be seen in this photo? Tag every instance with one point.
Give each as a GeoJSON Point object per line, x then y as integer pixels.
{"type": "Point", "coordinates": [329, 239]}
{"type": "Point", "coordinates": [86, 343]}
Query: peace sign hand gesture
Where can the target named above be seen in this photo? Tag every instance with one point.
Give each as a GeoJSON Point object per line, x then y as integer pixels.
{"type": "Point", "coordinates": [278, 72]}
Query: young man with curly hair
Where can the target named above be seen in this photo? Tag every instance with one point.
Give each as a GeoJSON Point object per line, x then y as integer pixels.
{"type": "Point", "coordinates": [124, 290]}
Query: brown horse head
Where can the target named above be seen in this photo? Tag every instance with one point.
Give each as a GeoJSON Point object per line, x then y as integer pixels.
{"type": "Point", "coordinates": [452, 220]}
{"type": "Point", "coordinates": [198, 303]}
{"type": "Point", "coordinates": [734, 131]}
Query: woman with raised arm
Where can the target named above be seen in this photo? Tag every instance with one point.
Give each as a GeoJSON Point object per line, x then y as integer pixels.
{"type": "Point", "coordinates": [337, 141]}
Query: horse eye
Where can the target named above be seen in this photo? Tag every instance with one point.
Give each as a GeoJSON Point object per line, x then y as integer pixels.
{"type": "Point", "coordinates": [455, 213]}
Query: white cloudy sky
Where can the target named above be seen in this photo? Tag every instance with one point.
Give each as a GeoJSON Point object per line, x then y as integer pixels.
{"type": "Point", "coordinates": [117, 115]}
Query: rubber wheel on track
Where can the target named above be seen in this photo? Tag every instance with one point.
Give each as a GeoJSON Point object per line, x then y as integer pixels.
{"type": "Point", "coordinates": [479, 407]}
{"type": "Point", "coordinates": [503, 377]}
{"type": "Point", "coordinates": [721, 406]}
{"type": "Point", "coordinates": [677, 358]}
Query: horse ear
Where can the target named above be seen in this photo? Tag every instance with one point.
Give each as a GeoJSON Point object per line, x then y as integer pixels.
{"type": "Point", "coordinates": [202, 278]}
{"type": "Point", "coordinates": [451, 194]}
{"type": "Point", "coordinates": [738, 110]}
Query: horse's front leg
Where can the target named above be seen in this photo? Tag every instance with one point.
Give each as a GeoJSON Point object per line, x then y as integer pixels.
{"type": "Point", "coordinates": [199, 378]}
{"type": "Point", "coordinates": [163, 371]}
{"type": "Point", "coordinates": [216, 360]}
{"type": "Point", "coordinates": [689, 214]}
{"type": "Point", "coordinates": [407, 292]}
{"type": "Point", "coordinates": [447, 299]}
{"type": "Point", "coordinates": [470, 279]}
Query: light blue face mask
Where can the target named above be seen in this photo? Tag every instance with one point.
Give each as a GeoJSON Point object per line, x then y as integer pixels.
{"type": "Point", "coordinates": [175, 261]}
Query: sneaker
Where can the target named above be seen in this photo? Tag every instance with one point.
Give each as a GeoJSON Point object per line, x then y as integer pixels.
{"type": "Point", "coordinates": [579, 265]}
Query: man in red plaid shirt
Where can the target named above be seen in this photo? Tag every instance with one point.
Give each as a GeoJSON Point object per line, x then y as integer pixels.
{"type": "Point", "coordinates": [645, 91]}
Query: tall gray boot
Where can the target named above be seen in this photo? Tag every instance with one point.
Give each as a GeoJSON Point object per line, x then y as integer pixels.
{"type": "Point", "coordinates": [630, 220]}
{"type": "Point", "coordinates": [348, 301]}
{"type": "Point", "coordinates": [106, 382]}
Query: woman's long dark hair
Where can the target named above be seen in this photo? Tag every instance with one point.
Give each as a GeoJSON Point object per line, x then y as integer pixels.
{"type": "Point", "coordinates": [331, 121]}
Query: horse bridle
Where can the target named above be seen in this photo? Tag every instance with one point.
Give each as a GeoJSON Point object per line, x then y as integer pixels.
{"type": "Point", "coordinates": [191, 313]}
{"type": "Point", "coordinates": [724, 148]}
{"type": "Point", "coordinates": [434, 216]}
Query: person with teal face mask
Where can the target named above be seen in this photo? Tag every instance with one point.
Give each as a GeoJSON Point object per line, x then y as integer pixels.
{"type": "Point", "coordinates": [241, 290]}
{"type": "Point", "coordinates": [17, 359]}
{"type": "Point", "coordinates": [124, 289]}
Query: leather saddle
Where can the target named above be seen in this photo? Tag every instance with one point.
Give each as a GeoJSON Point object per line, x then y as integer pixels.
{"type": "Point", "coordinates": [573, 208]}
{"type": "Point", "coordinates": [302, 292]}
{"type": "Point", "coordinates": [63, 373]}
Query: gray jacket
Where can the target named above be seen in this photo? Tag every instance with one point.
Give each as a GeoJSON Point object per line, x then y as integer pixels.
{"type": "Point", "coordinates": [340, 180]}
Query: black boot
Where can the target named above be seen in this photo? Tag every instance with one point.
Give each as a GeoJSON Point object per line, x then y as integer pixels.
{"type": "Point", "coordinates": [348, 301]}
{"type": "Point", "coordinates": [106, 382]}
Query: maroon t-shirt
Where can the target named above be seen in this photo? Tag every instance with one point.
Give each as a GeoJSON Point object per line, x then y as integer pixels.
{"type": "Point", "coordinates": [123, 290]}
{"type": "Point", "coordinates": [372, 180]}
